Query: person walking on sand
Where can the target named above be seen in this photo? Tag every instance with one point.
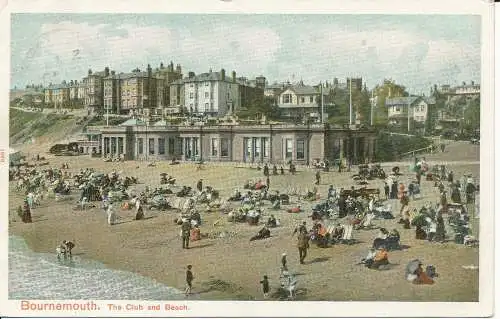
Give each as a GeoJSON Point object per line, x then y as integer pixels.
{"type": "Point", "coordinates": [186, 232]}
{"type": "Point", "coordinates": [111, 215]}
{"type": "Point", "coordinates": [318, 177]}
{"type": "Point", "coordinates": [139, 211]}
{"type": "Point", "coordinates": [284, 267]}
{"type": "Point", "coordinates": [303, 245]}
{"type": "Point", "coordinates": [189, 280]}
{"type": "Point", "coordinates": [199, 185]}
{"type": "Point", "coordinates": [265, 286]}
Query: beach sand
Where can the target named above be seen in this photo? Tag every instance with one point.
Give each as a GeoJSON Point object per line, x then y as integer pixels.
{"type": "Point", "coordinates": [231, 267]}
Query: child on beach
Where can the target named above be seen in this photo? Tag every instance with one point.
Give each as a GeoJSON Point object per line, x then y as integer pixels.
{"type": "Point", "coordinates": [189, 280]}
{"type": "Point", "coordinates": [284, 267]}
{"type": "Point", "coordinates": [265, 286]}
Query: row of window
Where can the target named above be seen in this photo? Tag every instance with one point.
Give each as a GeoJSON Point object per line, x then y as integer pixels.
{"type": "Point", "coordinates": [418, 108]}
{"type": "Point", "coordinates": [162, 146]}
{"type": "Point", "coordinates": [287, 99]}
{"type": "Point", "coordinates": [299, 149]}
{"type": "Point", "coordinates": [219, 145]}
{"type": "Point", "coordinates": [207, 95]}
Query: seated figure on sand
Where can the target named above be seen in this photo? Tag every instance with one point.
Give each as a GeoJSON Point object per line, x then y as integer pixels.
{"type": "Point", "coordinates": [295, 210]}
{"type": "Point", "coordinates": [263, 233]}
{"type": "Point", "coordinates": [381, 258]}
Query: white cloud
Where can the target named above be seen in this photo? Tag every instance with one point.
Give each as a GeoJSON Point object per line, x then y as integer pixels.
{"type": "Point", "coordinates": [66, 50]}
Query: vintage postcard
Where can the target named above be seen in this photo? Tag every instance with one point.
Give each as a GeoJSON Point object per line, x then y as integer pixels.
{"type": "Point", "coordinates": [237, 158]}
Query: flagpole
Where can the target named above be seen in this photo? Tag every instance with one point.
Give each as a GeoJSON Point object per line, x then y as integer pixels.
{"type": "Point", "coordinates": [350, 101]}
{"type": "Point", "coordinates": [322, 104]}
{"type": "Point", "coordinates": [371, 110]}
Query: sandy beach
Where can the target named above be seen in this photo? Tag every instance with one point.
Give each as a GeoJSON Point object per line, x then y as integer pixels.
{"type": "Point", "coordinates": [152, 247]}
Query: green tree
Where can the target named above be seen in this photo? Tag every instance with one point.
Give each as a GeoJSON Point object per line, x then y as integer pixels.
{"type": "Point", "coordinates": [388, 89]}
{"type": "Point", "coordinates": [260, 106]}
{"type": "Point", "coordinates": [472, 115]}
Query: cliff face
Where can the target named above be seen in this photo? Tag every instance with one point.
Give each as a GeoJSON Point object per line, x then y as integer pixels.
{"type": "Point", "coordinates": [35, 129]}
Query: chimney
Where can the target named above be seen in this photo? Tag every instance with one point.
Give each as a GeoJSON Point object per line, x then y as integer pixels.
{"type": "Point", "coordinates": [112, 72]}
{"type": "Point", "coordinates": [191, 75]}
{"type": "Point", "coordinates": [472, 82]}
{"type": "Point", "coordinates": [161, 66]}
{"type": "Point", "coordinates": [234, 76]}
{"type": "Point", "coordinates": [210, 71]}
{"type": "Point", "coordinates": [150, 70]}
{"type": "Point", "coordinates": [90, 71]}
{"type": "Point", "coordinates": [106, 71]}
{"type": "Point", "coordinates": [223, 75]}
{"type": "Point", "coordinates": [463, 83]}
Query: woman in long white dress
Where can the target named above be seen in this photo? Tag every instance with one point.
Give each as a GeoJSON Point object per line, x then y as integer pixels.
{"type": "Point", "coordinates": [111, 215]}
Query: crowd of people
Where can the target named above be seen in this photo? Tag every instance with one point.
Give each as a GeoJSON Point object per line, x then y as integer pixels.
{"type": "Point", "coordinates": [333, 219]}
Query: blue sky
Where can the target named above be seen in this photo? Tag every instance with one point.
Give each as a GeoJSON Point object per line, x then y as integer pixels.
{"type": "Point", "coordinates": [415, 50]}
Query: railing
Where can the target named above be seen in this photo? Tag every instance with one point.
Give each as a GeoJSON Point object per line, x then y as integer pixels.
{"type": "Point", "coordinates": [429, 148]}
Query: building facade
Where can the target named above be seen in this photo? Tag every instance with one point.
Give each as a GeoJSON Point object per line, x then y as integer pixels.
{"type": "Point", "coordinates": [399, 107]}
{"type": "Point", "coordinates": [94, 90]}
{"type": "Point", "coordinates": [270, 143]}
{"type": "Point", "coordinates": [301, 101]}
{"type": "Point", "coordinates": [214, 93]}
{"type": "Point", "coordinates": [164, 77]}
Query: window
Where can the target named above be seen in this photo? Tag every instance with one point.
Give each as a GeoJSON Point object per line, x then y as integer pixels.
{"type": "Point", "coordinates": [211, 95]}
{"type": "Point", "coordinates": [214, 147]}
{"type": "Point", "coordinates": [257, 144]}
{"type": "Point", "coordinates": [140, 146]}
{"type": "Point", "coordinates": [191, 85]}
{"type": "Point", "coordinates": [191, 95]}
{"type": "Point", "coordinates": [207, 95]}
{"type": "Point", "coordinates": [287, 98]}
{"type": "Point", "coordinates": [300, 152]}
{"type": "Point", "coordinates": [151, 146]}
{"type": "Point", "coordinates": [265, 142]}
{"type": "Point", "coordinates": [224, 147]}
{"type": "Point", "coordinates": [288, 148]}
{"type": "Point", "coordinates": [161, 146]}
{"type": "Point", "coordinates": [302, 100]}
{"type": "Point", "coordinates": [311, 99]}
{"type": "Point", "coordinates": [207, 83]}
{"type": "Point", "coordinates": [228, 95]}
{"type": "Point", "coordinates": [397, 109]}
{"type": "Point", "coordinates": [206, 107]}
{"type": "Point", "coordinates": [247, 142]}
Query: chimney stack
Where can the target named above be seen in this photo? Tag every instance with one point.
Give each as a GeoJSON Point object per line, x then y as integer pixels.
{"type": "Point", "coordinates": [90, 71]}
{"type": "Point", "coordinates": [106, 71]}
{"type": "Point", "coordinates": [472, 82]}
{"type": "Point", "coordinates": [191, 75]}
{"type": "Point", "coordinates": [223, 74]}
{"type": "Point", "coordinates": [234, 76]}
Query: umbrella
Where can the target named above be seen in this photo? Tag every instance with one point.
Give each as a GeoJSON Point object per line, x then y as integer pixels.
{"type": "Point", "coordinates": [412, 266]}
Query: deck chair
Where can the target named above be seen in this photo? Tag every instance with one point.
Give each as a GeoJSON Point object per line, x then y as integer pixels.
{"type": "Point", "coordinates": [347, 237]}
